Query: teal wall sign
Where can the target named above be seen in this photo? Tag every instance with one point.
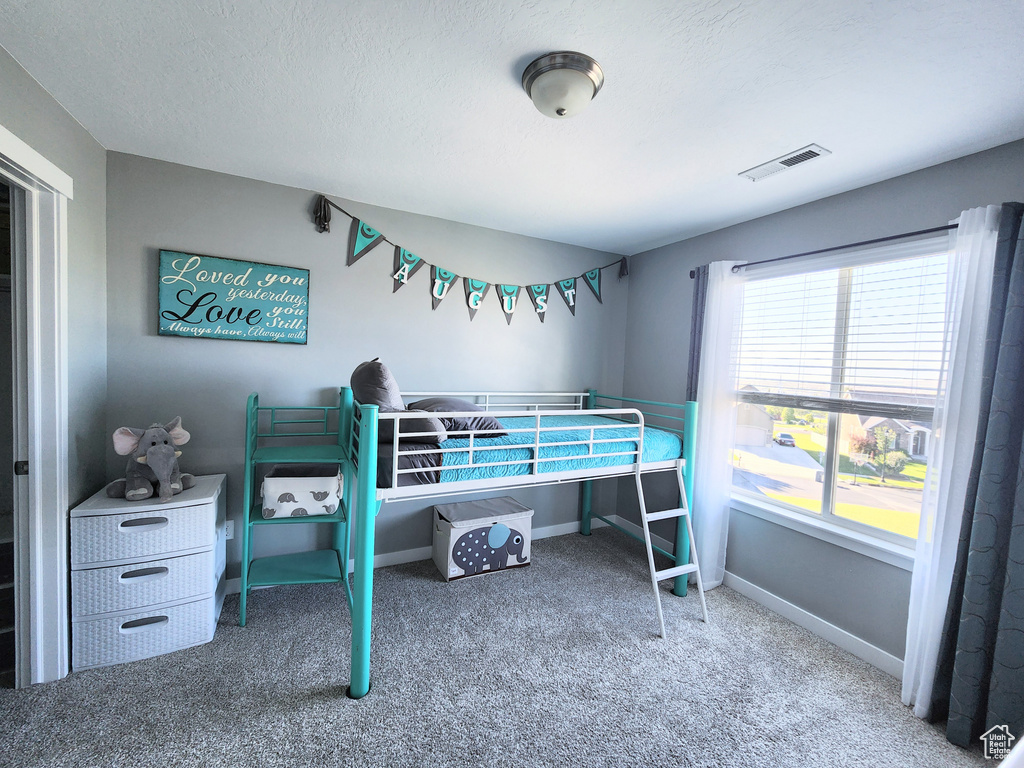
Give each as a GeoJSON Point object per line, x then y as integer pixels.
{"type": "Point", "coordinates": [207, 297]}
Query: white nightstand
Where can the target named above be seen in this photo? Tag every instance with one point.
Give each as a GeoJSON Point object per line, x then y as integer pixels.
{"type": "Point", "coordinates": [147, 577]}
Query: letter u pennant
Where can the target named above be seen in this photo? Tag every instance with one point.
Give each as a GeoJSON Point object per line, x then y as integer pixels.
{"type": "Point", "coordinates": [475, 292]}
{"type": "Point", "coordinates": [441, 281]}
{"type": "Point", "coordinates": [509, 297]}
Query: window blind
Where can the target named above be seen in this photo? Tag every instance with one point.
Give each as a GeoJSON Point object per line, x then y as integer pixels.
{"type": "Point", "coordinates": [864, 333]}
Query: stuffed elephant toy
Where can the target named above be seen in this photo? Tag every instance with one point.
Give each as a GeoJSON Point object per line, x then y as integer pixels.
{"type": "Point", "coordinates": [152, 462]}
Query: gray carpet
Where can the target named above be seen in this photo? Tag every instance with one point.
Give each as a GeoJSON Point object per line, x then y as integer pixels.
{"type": "Point", "coordinates": [555, 664]}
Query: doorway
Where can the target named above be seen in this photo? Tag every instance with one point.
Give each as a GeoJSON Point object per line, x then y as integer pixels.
{"type": "Point", "coordinates": [7, 609]}
{"type": "Point", "coordinates": [37, 193]}
{"type": "Point", "coordinates": [7, 635]}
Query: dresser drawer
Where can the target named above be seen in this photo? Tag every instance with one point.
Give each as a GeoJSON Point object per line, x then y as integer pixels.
{"type": "Point", "coordinates": [141, 634]}
{"type": "Point", "coordinates": [137, 585]}
{"type": "Point", "coordinates": [141, 535]}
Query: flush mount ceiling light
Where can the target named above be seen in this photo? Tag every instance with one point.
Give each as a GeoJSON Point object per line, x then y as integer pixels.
{"type": "Point", "coordinates": [562, 83]}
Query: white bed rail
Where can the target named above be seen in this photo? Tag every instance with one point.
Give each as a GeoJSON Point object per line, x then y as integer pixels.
{"type": "Point", "coordinates": [525, 401]}
{"type": "Point", "coordinates": [625, 426]}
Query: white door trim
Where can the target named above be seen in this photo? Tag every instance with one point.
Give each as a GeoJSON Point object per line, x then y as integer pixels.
{"type": "Point", "coordinates": [19, 154]}
{"type": "Point", "coordinates": [39, 216]}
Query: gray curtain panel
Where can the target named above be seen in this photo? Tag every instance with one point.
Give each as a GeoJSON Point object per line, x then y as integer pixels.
{"type": "Point", "coordinates": [980, 679]}
{"type": "Point", "coordinates": [700, 295]}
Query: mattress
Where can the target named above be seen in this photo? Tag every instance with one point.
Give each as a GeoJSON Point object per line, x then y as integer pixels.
{"type": "Point", "coordinates": [512, 454]}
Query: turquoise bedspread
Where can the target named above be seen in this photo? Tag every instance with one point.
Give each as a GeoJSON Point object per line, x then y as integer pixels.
{"type": "Point", "coordinates": [658, 446]}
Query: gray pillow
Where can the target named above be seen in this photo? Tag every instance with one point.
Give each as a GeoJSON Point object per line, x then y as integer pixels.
{"type": "Point", "coordinates": [373, 384]}
{"type": "Point", "coordinates": [461, 423]}
{"type": "Point", "coordinates": [386, 428]}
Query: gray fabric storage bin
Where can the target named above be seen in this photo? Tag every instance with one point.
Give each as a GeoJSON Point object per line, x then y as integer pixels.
{"type": "Point", "coordinates": [300, 490]}
{"type": "Point", "coordinates": [482, 536]}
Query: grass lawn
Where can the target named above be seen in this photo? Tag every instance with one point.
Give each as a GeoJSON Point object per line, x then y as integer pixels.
{"type": "Point", "coordinates": [903, 523]}
{"type": "Point", "coordinates": [912, 477]}
{"type": "Point", "coordinates": [915, 469]}
{"type": "Point", "coordinates": [890, 481]}
{"type": "Point", "coordinates": [811, 505]}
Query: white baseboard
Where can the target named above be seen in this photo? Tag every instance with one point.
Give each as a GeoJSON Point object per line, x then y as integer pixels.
{"type": "Point", "coordinates": [862, 649]}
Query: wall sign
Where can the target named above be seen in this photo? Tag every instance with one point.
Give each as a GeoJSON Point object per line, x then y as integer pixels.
{"type": "Point", "coordinates": [212, 298]}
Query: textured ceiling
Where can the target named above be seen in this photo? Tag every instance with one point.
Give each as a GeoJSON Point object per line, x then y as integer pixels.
{"type": "Point", "coordinates": [418, 106]}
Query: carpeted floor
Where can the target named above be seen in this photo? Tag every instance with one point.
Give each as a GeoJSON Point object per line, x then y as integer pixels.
{"type": "Point", "coordinates": [555, 664]}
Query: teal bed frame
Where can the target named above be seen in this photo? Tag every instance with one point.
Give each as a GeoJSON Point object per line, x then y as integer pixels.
{"type": "Point", "coordinates": [352, 444]}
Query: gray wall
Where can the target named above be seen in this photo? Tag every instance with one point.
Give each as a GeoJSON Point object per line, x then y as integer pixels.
{"type": "Point", "coordinates": [354, 316]}
{"type": "Point", "coordinates": [657, 341]}
{"type": "Point", "coordinates": [31, 114]}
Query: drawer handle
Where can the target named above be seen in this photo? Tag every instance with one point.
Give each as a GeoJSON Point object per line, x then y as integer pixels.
{"type": "Point", "coordinates": [144, 574]}
{"type": "Point", "coordinates": [138, 523]}
{"type": "Point", "coordinates": [143, 625]}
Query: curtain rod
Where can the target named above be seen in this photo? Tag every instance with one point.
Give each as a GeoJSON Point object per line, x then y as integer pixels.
{"type": "Point", "coordinates": [946, 228]}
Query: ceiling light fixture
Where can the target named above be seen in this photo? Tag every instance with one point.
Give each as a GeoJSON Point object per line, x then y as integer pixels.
{"type": "Point", "coordinates": [562, 83]}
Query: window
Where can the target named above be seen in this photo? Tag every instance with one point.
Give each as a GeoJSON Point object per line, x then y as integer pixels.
{"type": "Point", "coordinates": [838, 366]}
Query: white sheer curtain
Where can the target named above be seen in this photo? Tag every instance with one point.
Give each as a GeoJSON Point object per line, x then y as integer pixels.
{"type": "Point", "coordinates": [716, 421]}
{"type": "Point", "coordinates": [952, 450]}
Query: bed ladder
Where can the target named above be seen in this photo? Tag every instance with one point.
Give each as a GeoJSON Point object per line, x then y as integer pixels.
{"type": "Point", "coordinates": [679, 571]}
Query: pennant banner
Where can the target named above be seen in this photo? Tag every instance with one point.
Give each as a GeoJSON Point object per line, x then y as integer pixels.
{"type": "Point", "coordinates": [406, 265]}
{"type": "Point", "coordinates": [509, 296]}
{"type": "Point", "coordinates": [475, 292]}
{"type": "Point", "coordinates": [593, 281]}
{"type": "Point", "coordinates": [567, 289]}
{"type": "Point", "coordinates": [362, 238]}
{"type": "Point", "coordinates": [440, 283]}
{"type": "Point", "coordinates": [539, 297]}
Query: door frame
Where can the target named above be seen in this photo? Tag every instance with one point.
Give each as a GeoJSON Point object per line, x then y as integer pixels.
{"type": "Point", "coordinates": [39, 267]}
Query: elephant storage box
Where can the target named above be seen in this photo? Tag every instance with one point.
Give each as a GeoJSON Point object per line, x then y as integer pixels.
{"type": "Point", "coordinates": [472, 537]}
{"type": "Point", "coordinates": [298, 490]}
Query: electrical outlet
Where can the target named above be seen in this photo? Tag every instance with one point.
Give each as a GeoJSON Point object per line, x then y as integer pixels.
{"type": "Point", "coordinates": [229, 530]}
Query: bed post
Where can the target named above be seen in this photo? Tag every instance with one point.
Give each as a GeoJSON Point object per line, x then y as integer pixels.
{"type": "Point", "coordinates": [252, 414]}
{"type": "Point", "coordinates": [365, 511]}
{"type": "Point", "coordinates": [342, 532]}
{"type": "Point", "coordinates": [587, 491]}
{"type": "Point", "coordinates": [689, 450]}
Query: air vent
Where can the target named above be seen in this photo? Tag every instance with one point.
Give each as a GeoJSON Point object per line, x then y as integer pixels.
{"type": "Point", "coordinates": [785, 162]}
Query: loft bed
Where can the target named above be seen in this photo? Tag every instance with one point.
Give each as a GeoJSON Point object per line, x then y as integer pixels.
{"type": "Point", "coordinates": [550, 439]}
{"type": "Point", "coordinates": [501, 441]}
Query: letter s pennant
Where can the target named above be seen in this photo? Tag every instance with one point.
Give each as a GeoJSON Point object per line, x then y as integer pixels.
{"type": "Point", "coordinates": [539, 297]}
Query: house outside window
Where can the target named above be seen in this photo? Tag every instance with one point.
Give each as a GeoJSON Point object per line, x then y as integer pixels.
{"type": "Point", "coordinates": [839, 362]}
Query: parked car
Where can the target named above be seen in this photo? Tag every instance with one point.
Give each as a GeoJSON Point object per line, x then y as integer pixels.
{"type": "Point", "coordinates": [784, 438]}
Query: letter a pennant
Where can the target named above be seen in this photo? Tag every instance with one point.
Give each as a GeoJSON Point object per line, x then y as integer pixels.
{"type": "Point", "coordinates": [539, 297]}
{"type": "Point", "coordinates": [509, 296]}
{"type": "Point", "coordinates": [406, 265]}
{"type": "Point", "coordinates": [567, 289]}
{"type": "Point", "coordinates": [475, 292]}
{"type": "Point", "coordinates": [440, 283]}
{"type": "Point", "coordinates": [361, 238]}
{"type": "Point", "coordinates": [593, 281]}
